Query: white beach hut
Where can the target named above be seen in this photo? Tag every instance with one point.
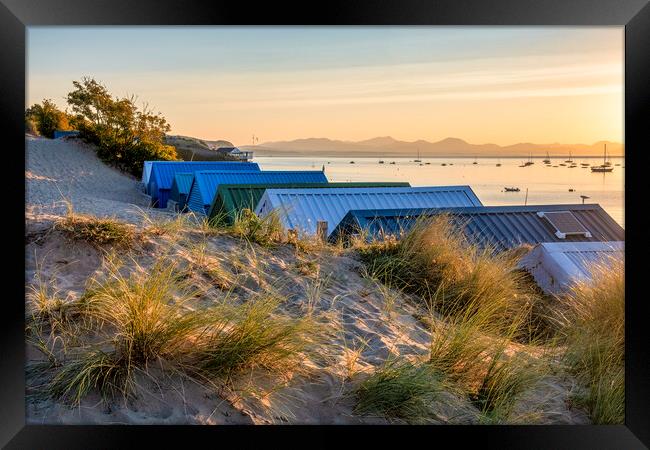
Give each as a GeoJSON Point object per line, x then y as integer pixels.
{"type": "Point", "coordinates": [303, 209]}
{"type": "Point", "coordinates": [557, 265]}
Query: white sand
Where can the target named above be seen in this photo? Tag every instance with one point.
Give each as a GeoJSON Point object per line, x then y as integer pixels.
{"type": "Point", "coordinates": [69, 169]}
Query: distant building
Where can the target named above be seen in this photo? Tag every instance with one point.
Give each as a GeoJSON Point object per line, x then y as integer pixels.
{"type": "Point", "coordinates": [235, 153]}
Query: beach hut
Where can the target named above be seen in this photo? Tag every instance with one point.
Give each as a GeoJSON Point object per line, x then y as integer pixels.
{"type": "Point", "coordinates": [556, 266]}
{"type": "Point", "coordinates": [302, 209]}
{"type": "Point", "coordinates": [162, 175]}
{"type": "Point", "coordinates": [65, 133]}
{"type": "Point", "coordinates": [205, 183]}
{"type": "Point", "coordinates": [230, 199]}
{"type": "Point", "coordinates": [146, 174]}
{"type": "Point", "coordinates": [181, 188]}
{"type": "Point", "coordinates": [500, 227]}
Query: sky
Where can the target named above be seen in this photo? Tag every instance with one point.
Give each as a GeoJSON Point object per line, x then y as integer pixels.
{"type": "Point", "coordinates": [501, 85]}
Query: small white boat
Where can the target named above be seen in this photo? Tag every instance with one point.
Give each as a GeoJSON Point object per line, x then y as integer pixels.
{"type": "Point", "coordinates": [605, 167]}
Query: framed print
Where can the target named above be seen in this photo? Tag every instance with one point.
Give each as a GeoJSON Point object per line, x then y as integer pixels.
{"type": "Point", "coordinates": [360, 218]}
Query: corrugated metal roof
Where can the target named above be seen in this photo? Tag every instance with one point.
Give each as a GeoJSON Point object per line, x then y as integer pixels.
{"type": "Point", "coordinates": [181, 186]}
{"type": "Point", "coordinates": [503, 227]}
{"type": "Point", "coordinates": [205, 184]}
{"type": "Point", "coordinates": [162, 173]}
{"type": "Point", "coordinates": [232, 198]}
{"type": "Point", "coordinates": [585, 259]}
{"type": "Point", "coordinates": [301, 209]}
{"type": "Point", "coordinates": [555, 266]}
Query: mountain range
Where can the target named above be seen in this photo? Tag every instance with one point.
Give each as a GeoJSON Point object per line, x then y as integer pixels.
{"type": "Point", "coordinates": [450, 147]}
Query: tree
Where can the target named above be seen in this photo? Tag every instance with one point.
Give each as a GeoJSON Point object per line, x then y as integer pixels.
{"type": "Point", "coordinates": [46, 118]}
{"type": "Point", "coordinates": [125, 135]}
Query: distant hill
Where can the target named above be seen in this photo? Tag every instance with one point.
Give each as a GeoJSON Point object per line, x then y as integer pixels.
{"type": "Point", "coordinates": [194, 149]}
{"type": "Point", "coordinates": [449, 147]}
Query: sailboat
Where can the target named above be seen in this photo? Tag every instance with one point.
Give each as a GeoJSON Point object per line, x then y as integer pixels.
{"type": "Point", "coordinates": [475, 161]}
{"type": "Point", "coordinates": [569, 160]}
{"type": "Point", "coordinates": [418, 160]}
{"type": "Point", "coordinates": [530, 160]}
{"type": "Point", "coordinates": [548, 159]}
{"type": "Point", "coordinates": [499, 163]}
{"type": "Point", "coordinates": [604, 167]}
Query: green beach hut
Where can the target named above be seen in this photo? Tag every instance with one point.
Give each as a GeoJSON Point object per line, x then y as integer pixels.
{"type": "Point", "coordinates": [231, 199]}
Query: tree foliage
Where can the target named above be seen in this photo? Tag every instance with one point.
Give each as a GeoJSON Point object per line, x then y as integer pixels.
{"type": "Point", "coordinates": [125, 135]}
{"type": "Point", "coordinates": [45, 118]}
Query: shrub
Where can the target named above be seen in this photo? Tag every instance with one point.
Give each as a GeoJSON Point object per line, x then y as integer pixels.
{"type": "Point", "coordinates": [124, 135]}
{"type": "Point", "coordinates": [46, 118]}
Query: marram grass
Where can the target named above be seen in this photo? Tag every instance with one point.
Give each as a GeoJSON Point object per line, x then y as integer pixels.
{"type": "Point", "coordinates": [399, 390]}
{"type": "Point", "coordinates": [137, 319]}
{"type": "Point", "coordinates": [593, 326]}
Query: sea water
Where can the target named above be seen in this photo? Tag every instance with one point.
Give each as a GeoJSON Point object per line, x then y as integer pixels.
{"type": "Point", "coordinates": [538, 183]}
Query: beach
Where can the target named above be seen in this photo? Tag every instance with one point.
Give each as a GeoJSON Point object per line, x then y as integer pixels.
{"type": "Point", "coordinates": [365, 323]}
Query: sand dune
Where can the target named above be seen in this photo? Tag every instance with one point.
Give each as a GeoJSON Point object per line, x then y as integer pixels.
{"type": "Point", "coordinates": [351, 307]}
{"type": "Point", "coordinates": [62, 169]}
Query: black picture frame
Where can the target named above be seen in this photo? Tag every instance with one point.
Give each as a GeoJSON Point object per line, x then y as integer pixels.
{"type": "Point", "coordinates": [634, 15]}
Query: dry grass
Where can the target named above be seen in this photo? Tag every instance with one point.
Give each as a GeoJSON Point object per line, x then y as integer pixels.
{"type": "Point", "coordinates": [434, 261]}
{"type": "Point", "coordinates": [96, 231]}
{"type": "Point", "coordinates": [211, 268]}
{"type": "Point", "coordinates": [351, 356]}
{"type": "Point", "coordinates": [266, 231]}
{"type": "Point", "coordinates": [252, 336]}
{"type": "Point", "coordinates": [136, 318]}
{"type": "Point", "coordinates": [479, 304]}
{"type": "Point", "coordinates": [593, 326]}
{"type": "Point", "coordinates": [165, 226]}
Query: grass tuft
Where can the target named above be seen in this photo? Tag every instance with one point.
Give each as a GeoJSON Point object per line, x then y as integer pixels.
{"type": "Point", "coordinates": [505, 381]}
{"type": "Point", "coordinates": [399, 390]}
{"type": "Point", "coordinates": [138, 319]}
{"type": "Point", "coordinates": [251, 336]}
{"type": "Point", "coordinates": [265, 231]}
{"type": "Point", "coordinates": [594, 330]}
{"type": "Point", "coordinates": [91, 370]}
{"type": "Point", "coordinates": [434, 261]}
{"type": "Point", "coordinates": [96, 231]}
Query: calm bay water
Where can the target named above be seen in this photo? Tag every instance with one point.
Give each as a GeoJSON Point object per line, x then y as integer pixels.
{"type": "Point", "coordinates": [545, 185]}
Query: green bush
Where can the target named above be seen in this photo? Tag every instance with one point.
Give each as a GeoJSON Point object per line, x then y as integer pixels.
{"type": "Point", "coordinates": [45, 118]}
{"type": "Point", "coordinates": [125, 135]}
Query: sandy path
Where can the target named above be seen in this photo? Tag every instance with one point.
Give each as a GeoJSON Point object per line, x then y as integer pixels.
{"type": "Point", "coordinates": [68, 168]}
